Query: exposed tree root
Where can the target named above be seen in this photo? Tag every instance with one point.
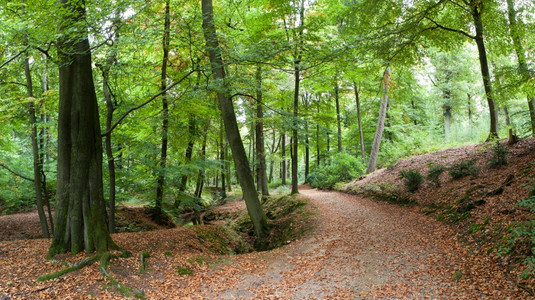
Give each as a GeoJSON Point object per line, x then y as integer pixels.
{"type": "Point", "coordinates": [142, 258]}
{"type": "Point", "coordinates": [84, 262]}
{"type": "Point", "coordinates": [104, 260]}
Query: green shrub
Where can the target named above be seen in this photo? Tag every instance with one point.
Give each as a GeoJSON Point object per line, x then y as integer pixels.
{"type": "Point", "coordinates": [412, 178]}
{"type": "Point", "coordinates": [499, 155]}
{"type": "Point", "coordinates": [464, 168]}
{"type": "Point", "coordinates": [343, 167]}
{"type": "Point", "coordinates": [434, 172]}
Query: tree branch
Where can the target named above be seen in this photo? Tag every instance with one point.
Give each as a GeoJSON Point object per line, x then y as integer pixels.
{"type": "Point", "coordinates": [14, 57]}
{"type": "Point", "coordinates": [451, 29]}
{"type": "Point", "coordinates": [15, 173]}
{"type": "Point", "coordinates": [147, 102]}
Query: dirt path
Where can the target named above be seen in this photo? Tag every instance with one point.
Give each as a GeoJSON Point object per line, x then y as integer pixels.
{"type": "Point", "coordinates": [363, 249]}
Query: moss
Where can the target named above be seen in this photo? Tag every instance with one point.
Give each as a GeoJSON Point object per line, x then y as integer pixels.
{"type": "Point", "coordinates": [184, 271]}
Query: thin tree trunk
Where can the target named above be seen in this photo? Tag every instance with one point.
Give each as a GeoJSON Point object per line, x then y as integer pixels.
{"type": "Point", "coordinates": [470, 121]}
{"type": "Point", "coordinates": [243, 170]}
{"type": "Point", "coordinates": [307, 153]}
{"type": "Point", "coordinates": [109, 152]}
{"type": "Point", "coordinates": [514, 26]}
{"type": "Point", "coordinates": [476, 14]}
{"type": "Point", "coordinates": [165, 110]}
{"type": "Point", "coordinates": [511, 135]}
{"type": "Point", "coordinates": [222, 159]}
{"type": "Point", "coordinates": [80, 222]}
{"type": "Point", "coordinates": [283, 149]}
{"type": "Point", "coordinates": [338, 118]}
{"type": "Point", "coordinates": [380, 123]}
{"type": "Point", "coordinates": [260, 148]}
{"type": "Point", "coordinates": [189, 153]}
{"type": "Point", "coordinates": [35, 148]}
{"type": "Point", "coordinates": [359, 119]}
{"type": "Point", "coordinates": [200, 178]}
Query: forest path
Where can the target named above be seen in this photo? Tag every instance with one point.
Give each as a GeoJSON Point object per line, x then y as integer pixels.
{"type": "Point", "coordinates": [363, 249]}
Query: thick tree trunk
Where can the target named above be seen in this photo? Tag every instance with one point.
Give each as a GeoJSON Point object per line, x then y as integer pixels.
{"type": "Point", "coordinates": [476, 14]}
{"type": "Point", "coordinates": [243, 170]}
{"type": "Point", "coordinates": [521, 55]}
{"type": "Point", "coordinates": [35, 150]}
{"type": "Point", "coordinates": [260, 147]}
{"type": "Point", "coordinates": [165, 111]}
{"type": "Point", "coordinates": [359, 119]}
{"type": "Point", "coordinates": [80, 222]}
{"type": "Point", "coordinates": [44, 138]}
{"type": "Point", "coordinates": [338, 118]}
{"type": "Point", "coordinates": [380, 123]}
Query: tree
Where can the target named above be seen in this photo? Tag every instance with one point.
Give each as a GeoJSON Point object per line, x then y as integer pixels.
{"type": "Point", "coordinates": [165, 110]}
{"type": "Point", "coordinates": [380, 123]}
{"type": "Point", "coordinates": [80, 218]}
{"type": "Point", "coordinates": [243, 170]}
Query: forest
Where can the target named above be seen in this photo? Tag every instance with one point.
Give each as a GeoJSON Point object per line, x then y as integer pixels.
{"type": "Point", "coordinates": [181, 109]}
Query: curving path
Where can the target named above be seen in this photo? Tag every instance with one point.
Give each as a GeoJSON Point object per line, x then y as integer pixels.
{"type": "Point", "coordinates": [363, 249]}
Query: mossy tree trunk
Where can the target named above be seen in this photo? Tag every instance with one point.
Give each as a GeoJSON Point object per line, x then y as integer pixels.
{"type": "Point", "coordinates": [80, 222]}
{"type": "Point", "coordinates": [260, 147]}
{"type": "Point", "coordinates": [245, 177]}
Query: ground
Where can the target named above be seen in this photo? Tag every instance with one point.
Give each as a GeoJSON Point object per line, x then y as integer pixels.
{"type": "Point", "coordinates": [359, 248]}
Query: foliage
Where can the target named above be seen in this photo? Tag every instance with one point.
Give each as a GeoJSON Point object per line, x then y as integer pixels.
{"type": "Point", "coordinates": [434, 172]}
{"type": "Point", "coordinates": [499, 155]}
{"type": "Point", "coordinates": [464, 168]}
{"type": "Point", "coordinates": [412, 179]}
{"type": "Point", "coordinates": [343, 167]}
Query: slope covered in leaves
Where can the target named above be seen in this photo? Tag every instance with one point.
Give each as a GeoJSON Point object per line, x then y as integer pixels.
{"type": "Point", "coordinates": [483, 208]}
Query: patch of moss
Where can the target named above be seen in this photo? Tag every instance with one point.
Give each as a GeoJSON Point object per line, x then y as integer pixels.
{"type": "Point", "coordinates": [184, 270]}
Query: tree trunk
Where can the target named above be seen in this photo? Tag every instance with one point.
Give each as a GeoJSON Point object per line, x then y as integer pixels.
{"type": "Point", "coordinates": [165, 122]}
{"type": "Point", "coordinates": [35, 149]}
{"type": "Point", "coordinates": [521, 56]}
{"type": "Point", "coordinates": [295, 140]}
{"type": "Point", "coordinates": [338, 118]}
{"type": "Point", "coordinates": [380, 123]}
{"type": "Point", "coordinates": [260, 147]}
{"type": "Point", "coordinates": [222, 159]}
{"type": "Point", "coordinates": [307, 152]}
{"type": "Point", "coordinates": [359, 119]}
{"type": "Point", "coordinates": [243, 170]}
{"type": "Point", "coordinates": [110, 105]}
{"type": "Point", "coordinates": [447, 120]}
{"type": "Point", "coordinates": [44, 138]}
{"type": "Point", "coordinates": [476, 14]}
{"type": "Point", "coordinates": [470, 121]}
{"type": "Point", "coordinates": [283, 149]}
{"type": "Point", "coordinates": [511, 135]}
{"type": "Point", "coordinates": [189, 153]}
{"type": "Point", "coordinates": [200, 178]}
{"type": "Point", "coordinates": [80, 222]}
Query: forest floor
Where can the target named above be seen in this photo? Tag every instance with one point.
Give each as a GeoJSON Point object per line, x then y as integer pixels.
{"type": "Point", "coordinates": [359, 248]}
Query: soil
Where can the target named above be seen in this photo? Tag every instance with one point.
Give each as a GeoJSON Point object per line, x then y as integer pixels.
{"type": "Point", "coordinates": [360, 249]}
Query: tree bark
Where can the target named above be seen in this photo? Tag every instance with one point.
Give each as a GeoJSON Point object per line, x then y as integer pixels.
{"type": "Point", "coordinates": [260, 147]}
{"type": "Point", "coordinates": [478, 22]}
{"type": "Point", "coordinates": [35, 148]}
{"type": "Point", "coordinates": [338, 118]}
{"type": "Point", "coordinates": [189, 153]}
{"type": "Point", "coordinates": [80, 222]}
{"type": "Point", "coordinates": [110, 106]}
{"type": "Point", "coordinates": [307, 153]}
{"type": "Point", "coordinates": [200, 178]}
{"type": "Point", "coordinates": [359, 119]}
{"type": "Point", "coordinates": [283, 153]}
{"type": "Point", "coordinates": [470, 121]}
{"type": "Point", "coordinates": [380, 123]}
{"type": "Point", "coordinates": [521, 56]}
{"type": "Point", "coordinates": [222, 159]}
{"type": "Point", "coordinates": [165, 111]}
{"type": "Point", "coordinates": [243, 170]}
